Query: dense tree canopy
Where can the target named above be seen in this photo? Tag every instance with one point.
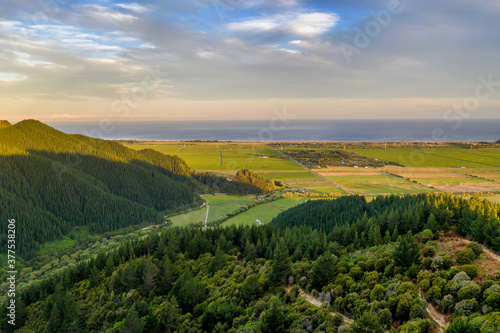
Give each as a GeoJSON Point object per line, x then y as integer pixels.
{"type": "Point", "coordinates": [53, 182]}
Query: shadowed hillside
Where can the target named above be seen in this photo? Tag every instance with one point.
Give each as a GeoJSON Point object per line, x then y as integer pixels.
{"type": "Point", "coordinates": [51, 182]}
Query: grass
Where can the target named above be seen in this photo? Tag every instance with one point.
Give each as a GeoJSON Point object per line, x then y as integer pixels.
{"type": "Point", "coordinates": [288, 176]}
{"type": "Point", "coordinates": [220, 206]}
{"type": "Point", "coordinates": [265, 212]}
{"type": "Point", "coordinates": [437, 157]}
{"type": "Point", "coordinates": [206, 156]}
{"type": "Point", "coordinates": [449, 181]}
{"type": "Point", "coordinates": [381, 183]}
{"type": "Point", "coordinates": [326, 190]}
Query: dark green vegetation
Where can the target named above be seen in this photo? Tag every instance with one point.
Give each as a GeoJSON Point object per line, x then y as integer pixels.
{"type": "Point", "coordinates": [54, 182]}
{"type": "Point", "coordinates": [354, 223]}
{"type": "Point", "coordinates": [245, 182]}
{"type": "Point", "coordinates": [230, 279]}
{"type": "Point", "coordinates": [328, 158]}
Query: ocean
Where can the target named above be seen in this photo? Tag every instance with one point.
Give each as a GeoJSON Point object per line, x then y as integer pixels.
{"type": "Point", "coordinates": [293, 130]}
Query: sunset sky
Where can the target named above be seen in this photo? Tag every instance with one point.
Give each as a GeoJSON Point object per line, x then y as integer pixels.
{"type": "Point", "coordinates": [242, 59]}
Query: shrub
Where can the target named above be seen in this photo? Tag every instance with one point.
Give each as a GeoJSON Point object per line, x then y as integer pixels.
{"type": "Point", "coordinates": [471, 270]}
{"type": "Point", "coordinates": [389, 270]}
{"type": "Point", "coordinates": [462, 279]}
{"type": "Point", "coordinates": [426, 263]}
{"type": "Point", "coordinates": [404, 306]}
{"type": "Point", "coordinates": [404, 287]}
{"type": "Point", "coordinates": [465, 256]}
{"type": "Point", "coordinates": [378, 293]}
{"type": "Point", "coordinates": [466, 307]}
{"type": "Point", "coordinates": [382, 263]}
{"type": "Point", "coordinates": [385, 318]}
{"type": "Point", "coordinates": [356, 273]}
{"type": "Point", "coordinates": [447, 304]}
{"type": "Point", "coordinates": [494, 300]}
{"type": "Point", "coordinates": [418, 311]}
{"type": "Point", "coordinates": [434, 293]}
{"type": "Point", "coordinates": [415, 326]}
{"type": "Point", "coordinates": [425, 284]}
{"type": "Point", "coordinates": [441, 262]}
{"type": "Point", "coordinates": [476, 248]}
{"type": "Point", "coordinates": [452, 287]}
{"type": "Point", "coordinates": [486, 284]}
{"type": "Point", "coordinates": [425, 236]}
{"type": "Point", "coordinates": [472, 290]}
{"type": "Point", "coordinates": [491, 290]}
{"type": "Point", "coordinates": [463, 325]}
{"type": "Point", "coordinates": [428, 251]}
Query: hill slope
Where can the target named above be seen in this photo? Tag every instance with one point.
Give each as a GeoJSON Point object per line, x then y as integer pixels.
{"type": "Point", "coordinates": [51, 182]}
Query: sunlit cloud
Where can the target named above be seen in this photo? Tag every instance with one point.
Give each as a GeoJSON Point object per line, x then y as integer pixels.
{"type": "Point", "coordinates": [300, 24]}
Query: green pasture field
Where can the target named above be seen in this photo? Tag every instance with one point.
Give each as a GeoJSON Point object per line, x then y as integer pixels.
{"type": "Point", "coordinates": [264, 212]}
{"type": "Point", "coordinates": [436, 157]}
{"type": "Point", "coordinates": [288, 176]}
{"type": "Point", "coordinates": [326, 190]}
{"type": "Point", "coordinates": [449, 181]}
{"type": "Point", "coordinates": [220, 206]}
{"type": "Point", "coordinates": [303, 180]}
{"type": "Point", "coordinates": [378, 184]}
{"type": "Point", "coordinates": [204, 156]}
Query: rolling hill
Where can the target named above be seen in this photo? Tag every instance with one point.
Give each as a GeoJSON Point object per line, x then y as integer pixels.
{"type": "Point", "coordinates": [51, 182]}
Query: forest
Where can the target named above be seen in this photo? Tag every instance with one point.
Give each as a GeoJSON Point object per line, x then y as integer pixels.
{"type": "Point", "coordinates": [372, 266]}
{"type": "Point", "coordinates": [54, 182]}
{"type": "Point", "coordinates": [244, 182]}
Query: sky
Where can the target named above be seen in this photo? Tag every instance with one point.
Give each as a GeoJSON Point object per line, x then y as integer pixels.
{"type": "Point", "coordinates": [65, 60]}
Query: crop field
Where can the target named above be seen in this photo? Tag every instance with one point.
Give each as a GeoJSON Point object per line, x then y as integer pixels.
{"type": "Point", "coordinates": [456, 170]}
{"type": "Point", "coordinates": [436, 157]}
{"type": "Point", "coordinates": [265, 212]}
{"type": "Point", "coordinates": [220, 206]}
{"type": "Point", "coordinates": [452, 179]}
{"type": "Point", "coordinates": [235, 156]}
{"type": "Point", "coordinates": [448, 181]}
{"type": "Point", "coordinates": [378, 184]}
{"type": "Point", "coordinates": [326, 190]}
{"type": "Point", "coordinates": [288, 176]}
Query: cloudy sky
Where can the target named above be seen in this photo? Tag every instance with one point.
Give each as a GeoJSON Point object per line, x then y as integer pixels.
{"type": "Point", "coordinates": [242, 59]}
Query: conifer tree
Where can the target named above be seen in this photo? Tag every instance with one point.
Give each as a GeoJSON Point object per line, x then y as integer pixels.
{"type": "Point", "coordinates": [407, 252]}
{"type": "Point", "coordinates": [282, 266]}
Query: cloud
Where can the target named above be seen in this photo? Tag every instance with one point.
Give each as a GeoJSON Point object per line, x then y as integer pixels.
{"type": "Point", "coordinates": [300, 24]}
{"type": "Point", "coordinates": [135, 7]}
{"type": "Point", "coordinates": [108, 15]}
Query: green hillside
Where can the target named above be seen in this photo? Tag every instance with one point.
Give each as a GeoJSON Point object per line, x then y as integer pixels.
{"type": "Point", "coordinates": [279, 278]}
{"type": "Point", "coordinates": [51, 182]}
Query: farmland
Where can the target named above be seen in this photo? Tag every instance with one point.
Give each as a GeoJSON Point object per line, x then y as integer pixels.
{"type": "Point", "coordinates": [378, 184]}
{"type": "Point", "coordinates": [220, 206]}
{"type": "Point", "coordinates": [235, 156]}
{"type": "Point", "coordinates": [436, 157]}
{"type": "Point", "coordinates": [415, 167]}
{"type": "Point", "coordinates": [265, 212]}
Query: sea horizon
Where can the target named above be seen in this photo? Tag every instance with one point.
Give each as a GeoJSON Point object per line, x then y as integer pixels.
{"type": "Point", "coordinates": [327, 130]}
